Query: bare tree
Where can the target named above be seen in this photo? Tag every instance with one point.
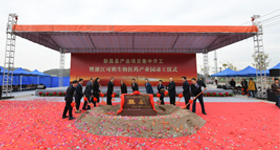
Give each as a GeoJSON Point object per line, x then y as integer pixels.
{"type": "Point", "coordinates": [261, 61]}
{"type": "Point", "coordinates": [229, 65]}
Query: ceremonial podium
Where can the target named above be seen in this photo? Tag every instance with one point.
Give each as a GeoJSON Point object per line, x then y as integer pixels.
{"type": "Point", "coordinates": [137, 105]}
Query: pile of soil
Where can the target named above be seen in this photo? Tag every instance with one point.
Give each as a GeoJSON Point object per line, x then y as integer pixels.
{"type": "Point", "coordinates": [171, 121]}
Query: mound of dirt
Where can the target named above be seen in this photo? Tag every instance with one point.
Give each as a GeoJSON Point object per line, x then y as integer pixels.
{"type": "Point", "coordinates": [171, 121]}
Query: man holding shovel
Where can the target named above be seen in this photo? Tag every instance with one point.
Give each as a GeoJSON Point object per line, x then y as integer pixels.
{"type": "Point", "coordinates": [196, 89]}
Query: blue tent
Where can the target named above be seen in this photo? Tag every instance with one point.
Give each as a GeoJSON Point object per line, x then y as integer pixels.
{"type": "Point", "coordinates": [45, 81]}
{"type": "Point", "coordinates": [21, 72]}
{"type": "Point", "coordinates": [275, 71]}
{"type": "Point", "coordinates": [248, 72]}
{"type": "Point", "coordinates": [276, 67]}
{"type": "Point", "coordinates": [38, 73]}
{"type": "Point", "coordinates": [225, 73]}
{"type": "Point", "coordinates": [2, 70]}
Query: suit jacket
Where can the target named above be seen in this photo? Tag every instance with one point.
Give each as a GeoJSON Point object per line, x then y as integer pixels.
{"type": "Point", "coordinates": [196, 90]}
{"type": "Point", "coordinates": [186, 89]}
{"type": "Point", "coordinates": [96, 87]}
{"type": "Point", "coordinates": [79, 91]}
{"type": "Point", "coordinates": [149, 88]}
{"type": "Point", "coordinates": [244, 84]}
{"type": "Point", "coordinates": [232, 83]}
{"type": "Point", "coordinates": [89, 89]}
{"type": "Point", "coordinates": [110, 88]}
{"type": "Point", "coordinates": [159, 87]}
{"type": "Point", "coordinates": [123, 88]}
{"type": "Point", "coordinates": [135, 87]}
{"type": "Point", "coordinates": [69, 93]}
{"type": "Point", "coordinates": [274, 89]}
{"type": "Point", "coordinates": [172, 89]}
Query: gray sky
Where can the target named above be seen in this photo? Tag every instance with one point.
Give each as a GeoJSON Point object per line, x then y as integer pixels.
{"type": "Point", "coordinates": [144, 12]}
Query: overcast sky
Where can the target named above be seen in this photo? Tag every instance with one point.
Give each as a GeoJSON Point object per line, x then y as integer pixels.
{"type": "Point", "coordinates": [142, 12]}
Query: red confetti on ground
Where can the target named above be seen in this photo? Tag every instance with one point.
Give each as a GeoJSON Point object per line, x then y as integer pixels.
{"type": "Point", "coordinates": [39, 125]}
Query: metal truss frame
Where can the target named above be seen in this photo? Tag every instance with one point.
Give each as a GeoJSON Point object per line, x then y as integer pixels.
{"type": "Point", "coordinates": [261, 62]}
{"type": "Point", "coordinates": [61, 67]}
{"type": "Point", "coordinates": [205, 64]}
{"type": "Point", "coordinates": [9, 59]}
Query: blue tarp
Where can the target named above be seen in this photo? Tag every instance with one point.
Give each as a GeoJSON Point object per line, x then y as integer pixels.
{"type": "Point", "coordinates": [225, 73]}
{"type": "Point", "coordinates": [48, 81]}
{"type": "Point", "coordinates": [15, 80]}
{"type": "Point", "coordinates": [54, 81]}
{"type": "Point", "coordinates": [45, 80]}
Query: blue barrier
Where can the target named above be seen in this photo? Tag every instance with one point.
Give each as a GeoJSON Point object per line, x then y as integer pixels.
{"type": "Point", "coordinates": [48, 81]}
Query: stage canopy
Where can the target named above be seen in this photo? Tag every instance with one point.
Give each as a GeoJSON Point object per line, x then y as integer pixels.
{"type": "Point", "coordinates": [225, 73]}
{"type": "Point", "coordinates": [134, 38]}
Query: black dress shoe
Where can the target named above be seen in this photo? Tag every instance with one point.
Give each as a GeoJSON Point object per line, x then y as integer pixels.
{"type": "Point", "coordinates": [63, 117]}
{"type": "Point", "coordinates": [205, 113]}
{"type": "Point", "coordinates": [72, 118]}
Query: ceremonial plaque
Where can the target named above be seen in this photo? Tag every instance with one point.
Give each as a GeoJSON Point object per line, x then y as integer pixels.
{"type": "Point", "coordinates": [137, 105]}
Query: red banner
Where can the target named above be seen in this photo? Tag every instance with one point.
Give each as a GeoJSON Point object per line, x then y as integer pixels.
{"type": "Point", "coordinates": [128, 66]}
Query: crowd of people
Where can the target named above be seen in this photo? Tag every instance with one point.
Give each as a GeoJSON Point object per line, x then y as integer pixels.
{"type": "Point", "coordinates": [92, 93]}
{"type": "Point", "coordinates": [251, 88]}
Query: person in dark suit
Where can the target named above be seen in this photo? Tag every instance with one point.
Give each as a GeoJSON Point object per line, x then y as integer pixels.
{"type": "Point", "coordinates": [96, 90]}
{"type": "Point", "coordinates": [110, 90]}
{"type": "Point", "coordinates": [196, 89]}
{"type": "Point", "coordinates": [171, 87]}
{"type": "Point", "coordinates": [276, 90]}
{"type": "Point", "coordinates": [160, 89]}
{"type": "Point", "coordinates": [232, 83]}
{"type": "Point", "coordinates": [186, 91]}
{"type": "Point", "coordinates": [68, 99]}
{"type": "Point", "coordinates": [244, 85]}
{"type": "Point", "coordinates": [88, 93]}
{"type": "Point", "coordinates": [148, 86]}
{"type": "Point", "coordinates": [134, 85]}
{"type": "Point", "coordinates": [78, 95]}
{"type": "Point", "coordinates": [123, 88]}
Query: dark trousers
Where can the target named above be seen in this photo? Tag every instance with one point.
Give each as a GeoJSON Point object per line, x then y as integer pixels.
{"type": "Point", "coordinates": [172, 100]}
{"type": "Point", "coordinates": [245, 90]}
{"type": "Point", "coordinates": [278, 101]}
{"type": "Point", "coordinates": [69, 108]}
{"type": "Point", "coordinates": [109, 99]}
{"type": "Point", "coordinates": [96, 94]}
{"type": "Point", "coordinates": [78, 102]}
{"type": "Point", "coordinates": [200, 98]}
{"type": "Point", "coordinates": [86, 106]}
{"type": "Point", "coordinates": [252, 93]}
{"type": "Point", "coordinates": [187, 98]}
{"type": "Point", "coordinates": [161, 99]}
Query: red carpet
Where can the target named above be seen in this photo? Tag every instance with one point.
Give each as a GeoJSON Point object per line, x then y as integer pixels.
{"type": "Point", "coordinates": [38, 125]}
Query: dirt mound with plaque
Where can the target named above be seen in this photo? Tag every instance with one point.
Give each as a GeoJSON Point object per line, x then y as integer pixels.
{"type": "Point", "coordinates": [138, 116]}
